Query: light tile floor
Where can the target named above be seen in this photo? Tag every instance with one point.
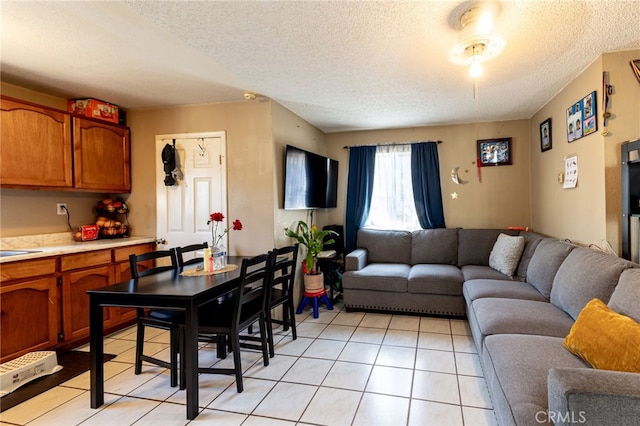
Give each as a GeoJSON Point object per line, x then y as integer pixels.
{"type": "Point", "coordinates": [344, 369]}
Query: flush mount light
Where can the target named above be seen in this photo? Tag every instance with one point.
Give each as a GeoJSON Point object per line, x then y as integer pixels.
{"type": "Point", "coordinates": [477, 42]}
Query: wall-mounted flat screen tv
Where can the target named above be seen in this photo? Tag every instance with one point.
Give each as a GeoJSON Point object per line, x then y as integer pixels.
{"type": "Point", "coordinates": [310, 180]}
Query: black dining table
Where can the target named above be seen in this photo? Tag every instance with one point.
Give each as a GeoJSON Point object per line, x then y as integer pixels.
{"type": "Point", "coordinates": [166, 290]}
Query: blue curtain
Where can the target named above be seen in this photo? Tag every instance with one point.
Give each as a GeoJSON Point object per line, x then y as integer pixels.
{"type": "Point", "coordinates": [425, 178]}
{"type": "Point", "coordinates": [362, 161]}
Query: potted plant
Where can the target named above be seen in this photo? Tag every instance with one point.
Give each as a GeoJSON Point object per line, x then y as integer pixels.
{"type": "Point", "coordinates": [314, 241]}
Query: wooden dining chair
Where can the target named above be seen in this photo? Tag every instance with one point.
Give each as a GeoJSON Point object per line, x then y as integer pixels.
{"type": "Point", "coordinates": [224, 319]}
{"type": "Point", "coordinates": [281, 292]}
{"type": "Point", "coordinates": [182, 251]}
{"type": "Point", "coordinates": [164, 319]}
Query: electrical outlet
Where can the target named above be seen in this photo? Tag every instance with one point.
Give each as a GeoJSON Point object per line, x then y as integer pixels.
{"type": "Point", "coordinates": [61, 209]}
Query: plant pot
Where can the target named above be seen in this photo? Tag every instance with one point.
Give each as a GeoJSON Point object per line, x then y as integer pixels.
{"type": "Point", "coordinates": [313, 283]}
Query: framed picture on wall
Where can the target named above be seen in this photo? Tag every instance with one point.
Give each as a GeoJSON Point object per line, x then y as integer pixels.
{"type": "Point", "coordinates": [581, 118]}
{"type": "Point", "coordinates": [494, 152]}
{"type": "Point", "coordinates": [545, 135]}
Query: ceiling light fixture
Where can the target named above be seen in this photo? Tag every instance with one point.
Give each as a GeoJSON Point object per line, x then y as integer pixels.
{"type": "Point", "coordinates": [477, 42]}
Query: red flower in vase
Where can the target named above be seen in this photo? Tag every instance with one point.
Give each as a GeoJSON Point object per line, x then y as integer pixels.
{"type": "Point", "coordinates": [215, 219]}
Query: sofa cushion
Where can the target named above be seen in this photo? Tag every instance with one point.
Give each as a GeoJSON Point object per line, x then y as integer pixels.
{"type": "Point", "coordinates": [474, 245]}
{"type": "Point", "coordinates": [435, 279]}
{"type": "Point", "coordinates": [516, 369]}
{"type": "Point", "coordinates": [434, 246]}
{"type": "Point", "coordinates": [386, 246]}
{"type": "Point", "coordinates": [585, 274]}
{"type": "Point", "coordinates": [379, 276]}
{"type": "Point", "coordinates": [490, 316]}
{"type": "Point", "coordinates": [481, 288]}
{"type": "Point", "coordinates": [626, 297]}
{"type": "Point", "coordinates": [545, 262]}
{"type": "Point", "coordinates": [505, 254]}
{"type": "Point", "coordinates": [605, 339]}
{"type": "Point", "coordinates": [476, 272]}
{"type": "Point", "coordinates": [531, 241]}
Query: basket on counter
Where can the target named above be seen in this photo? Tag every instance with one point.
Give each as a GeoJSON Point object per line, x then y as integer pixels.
{"type": "Point", "coordinates": [121, 231]}
{"type": "Point", "coordinates": [112, 218]}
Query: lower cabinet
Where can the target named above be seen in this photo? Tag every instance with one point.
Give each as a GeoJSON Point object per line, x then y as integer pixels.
{"type": "Point", "coordinates": [29, 317]}
{"type": "Point", "coordinates": [75, 300]}
{"type": "Point", "coordinates": [44, 304]}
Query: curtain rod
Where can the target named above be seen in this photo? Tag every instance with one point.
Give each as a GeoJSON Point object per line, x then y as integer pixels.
{"type": "Point", "coordinates": [390, 144]}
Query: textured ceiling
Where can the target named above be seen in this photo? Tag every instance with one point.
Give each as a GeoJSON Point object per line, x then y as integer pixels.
{"type": "Point", "coordinates": [339, 65]}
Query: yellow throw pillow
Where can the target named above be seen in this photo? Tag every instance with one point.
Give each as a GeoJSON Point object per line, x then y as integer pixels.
{"type": "Point", "coordinates": [605, 339]}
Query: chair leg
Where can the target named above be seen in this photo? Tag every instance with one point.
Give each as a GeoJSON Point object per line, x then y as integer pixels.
{"type": "Point", "coordinates": [237, 363]}
{"type": "Point", "coordinates": [272, 351]}
{"type": "Point", "coordinates": [264, 341]}
{"type": "Point", "coordinates": [285, 317]}
{"type": "Point", "coordinates": [173, 357]}
{"type": "Point", "coordinates": [292, 317]}
{"type": "Point", "coordinates": [183, 372]}
{"type": "Point", "coordinates": [139, 347]}
{"type": "Point", "coordinates": [221, 346]}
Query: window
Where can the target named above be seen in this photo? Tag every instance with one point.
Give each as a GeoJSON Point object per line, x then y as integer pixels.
{"type": "Point", "coordinates": [392, 205]}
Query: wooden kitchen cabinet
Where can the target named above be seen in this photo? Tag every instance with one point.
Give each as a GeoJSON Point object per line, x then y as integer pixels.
{"type": "Point", "coordinates": [82, 272]}
{"type": "Point", "coordinates": [44, 304]}
{"type": "Point", "coordinates": [36, 146]}
{"type": "Point", "coordinates": [101, 154]}
{"type": "Point", "coordinates": [29, 308]}
{"type": "Point", "coordinates": [45, 148]}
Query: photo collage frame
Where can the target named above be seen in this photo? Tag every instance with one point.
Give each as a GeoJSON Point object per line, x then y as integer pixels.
{"type": "Point", "coordinates": [582, 118]}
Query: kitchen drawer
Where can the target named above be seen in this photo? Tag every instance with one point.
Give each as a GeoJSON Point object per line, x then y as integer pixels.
{"type": "Point", "coordinates": [85, 260]}
{"type": "Point", "coordinates": [122, 254]}
{"type": "Point", "coordinates": [28, 269]}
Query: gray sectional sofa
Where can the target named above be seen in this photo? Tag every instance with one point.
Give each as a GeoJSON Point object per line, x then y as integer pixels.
{"type": "Point", "coordinates": [518, 323]}
{"type": "Point", "coordinates": [422, 271]}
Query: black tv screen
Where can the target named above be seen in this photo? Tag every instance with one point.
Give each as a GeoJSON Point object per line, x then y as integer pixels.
{"type": "Point", "coordinates": [310, 180]}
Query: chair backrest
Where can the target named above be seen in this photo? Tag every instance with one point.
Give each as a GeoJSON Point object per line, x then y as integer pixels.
{"type": "Point", "coordinates": [253, 288]}
{"type": "Point", "coordinates": [283, 273]}
{"type": "Point", "coordinates": [135, 260]}
{"type": "Point", "coordinates": [181, 251]}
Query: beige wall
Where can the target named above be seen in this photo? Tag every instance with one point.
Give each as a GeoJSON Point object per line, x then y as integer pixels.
{"type": "Point", "coordinates": [589, 213]}
{"type": "Point", "coordinates": [500, 200]}
{"type": "Point", "coordinates": [624, 125]}
{"type": "Point", "coordinates": [250, 167]}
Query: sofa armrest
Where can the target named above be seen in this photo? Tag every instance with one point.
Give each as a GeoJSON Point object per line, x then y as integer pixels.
{"type": "Point", "coordinates": [356, 260]}
{"type": "Point", "coordinates": [590, 396]}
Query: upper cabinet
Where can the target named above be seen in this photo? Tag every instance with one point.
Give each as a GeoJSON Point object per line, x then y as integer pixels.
{"type": "Point", "coordinates": [101, 155]}
{"type": "Point", "coordinates": [35, 147]}
{"type": "Point", "coordinates": [45, 148]}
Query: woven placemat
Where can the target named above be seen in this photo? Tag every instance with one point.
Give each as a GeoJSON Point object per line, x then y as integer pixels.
{"type": "Point", "coordinates": [202, 272]}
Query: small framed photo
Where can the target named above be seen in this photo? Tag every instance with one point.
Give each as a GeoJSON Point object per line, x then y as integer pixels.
{"type": "Point", "coordinates": [494, 152]}
{"type": "Point", "coordinates": [545, 135]}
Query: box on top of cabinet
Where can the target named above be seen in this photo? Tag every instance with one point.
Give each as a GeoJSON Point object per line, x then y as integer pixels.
{"type": "Point", "coordinates": [94, 108]}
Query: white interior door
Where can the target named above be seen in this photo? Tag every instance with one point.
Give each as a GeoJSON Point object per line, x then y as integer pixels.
{"type": "Point", "coordinates": [183, 209]}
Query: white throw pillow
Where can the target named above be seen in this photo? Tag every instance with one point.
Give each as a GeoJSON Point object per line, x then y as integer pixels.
{"type": "Point", "coordinates": [506, 254]}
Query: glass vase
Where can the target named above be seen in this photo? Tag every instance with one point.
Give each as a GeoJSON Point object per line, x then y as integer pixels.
{"type": "Point", "coordinates": [219, 254]}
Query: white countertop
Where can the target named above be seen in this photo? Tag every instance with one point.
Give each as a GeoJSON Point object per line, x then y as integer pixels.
{"type": "Point", "coordinates": [46, 245]}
